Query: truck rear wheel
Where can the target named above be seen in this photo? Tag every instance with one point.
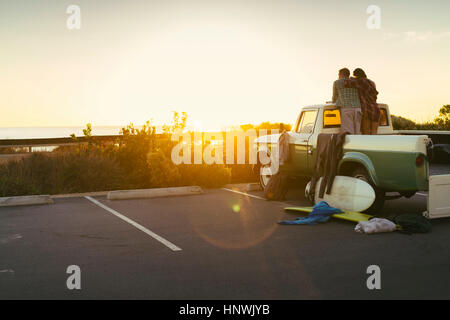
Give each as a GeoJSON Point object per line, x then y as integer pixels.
{"type": "Point", "coordinates": [361, 173]}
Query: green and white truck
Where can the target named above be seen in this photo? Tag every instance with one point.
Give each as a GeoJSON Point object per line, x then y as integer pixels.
{"type": "Point", "coordinates": [389, 161]}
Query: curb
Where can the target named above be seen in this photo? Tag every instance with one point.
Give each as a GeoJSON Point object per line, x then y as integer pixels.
{"type": "Point", "coordinates": [25, 200]}
{"type": "Point", "coordinates": [153, 193]}
{"type": "Point", "coordinates": [80, 195]}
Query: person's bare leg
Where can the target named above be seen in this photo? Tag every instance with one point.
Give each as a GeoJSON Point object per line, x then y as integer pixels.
{"type": "Point", "coordinates": [365, 125]}
{"type": "Point", "coordinates": [374, 127]}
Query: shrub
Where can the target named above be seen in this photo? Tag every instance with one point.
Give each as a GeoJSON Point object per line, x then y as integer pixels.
{"type": "Point", "coordinates": [162, 171]}
{"type": "Point", "coordinates": [400, 123]}
{"type": "Point", "coordinates": [68, 172]}
{"type": "Point", "coordinates": [210, 176]}
{"type": "Point", "coordinates": [140, 159]}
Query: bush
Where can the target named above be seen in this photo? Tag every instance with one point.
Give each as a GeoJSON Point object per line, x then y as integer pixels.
{"type": "Point", "coordinates": [68, 172]}
{"type": "Point", "coordinates": [441, 122]}
{"type": "Point", "coordinates": [162, 171]}
{"type": "Point", "coordinates": [140, 159]}
{"type": "Point", "coordinates": [400, 123]}
{"type": "Point", "coordinates": [210, 176]}
{"type": "Point", "coordinates": [241, 173]}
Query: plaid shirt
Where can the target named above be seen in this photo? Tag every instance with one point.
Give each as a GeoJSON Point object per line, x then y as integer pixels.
{"type": "Point", "coordinates": [345, 97]}
{"type": "Point", "coordinates": [368, 95]}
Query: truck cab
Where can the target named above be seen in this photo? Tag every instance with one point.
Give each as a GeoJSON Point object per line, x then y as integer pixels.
{"type": "Point", "coordinates": [316, 119]}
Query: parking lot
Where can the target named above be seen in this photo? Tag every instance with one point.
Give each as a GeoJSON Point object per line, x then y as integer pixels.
{"type": "Point", "coordinates": [224, 244]}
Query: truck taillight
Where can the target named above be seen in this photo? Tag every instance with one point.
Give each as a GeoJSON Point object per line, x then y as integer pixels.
{"type": "Point", "coordinates": [419, 161]}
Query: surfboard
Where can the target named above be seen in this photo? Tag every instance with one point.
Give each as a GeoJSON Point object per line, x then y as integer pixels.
{"type": "Point", "coordinates": [347, 215]}
{"type": "Point", "coordinates": [347, 194]}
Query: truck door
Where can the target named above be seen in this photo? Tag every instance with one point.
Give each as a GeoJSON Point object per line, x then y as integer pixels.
{"type": "Point", "coordinates": [303, 131]}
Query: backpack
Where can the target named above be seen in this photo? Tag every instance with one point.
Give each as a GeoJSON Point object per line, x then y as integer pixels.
{"type": "Point", "coordinates": [277, 187]}
{"type": "Point", "coordinates": [412, 223]}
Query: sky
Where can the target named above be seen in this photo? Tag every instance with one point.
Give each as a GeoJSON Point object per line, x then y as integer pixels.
{"type": "Point", "coordinates": [224, 62]}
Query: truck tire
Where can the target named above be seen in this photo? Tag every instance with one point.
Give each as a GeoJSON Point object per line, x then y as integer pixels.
{"type": "Point", "coordinates": [361, 173]}
{"type": "Point", "coordinates": [264, 175]}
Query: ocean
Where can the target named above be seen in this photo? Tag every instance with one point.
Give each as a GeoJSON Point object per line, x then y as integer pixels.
{"type": "Point", "coordinates": [55, 132]}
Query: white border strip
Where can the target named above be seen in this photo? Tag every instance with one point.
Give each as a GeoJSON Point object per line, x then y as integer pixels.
{"type": "Point", "coordinates": [243, 193]}
{"type": "Point", "coordinates": [281, 203]}
{"type": "Point", "coordinates": [137, 225]}
{"type": "Point", "coordinates": [422, 194]}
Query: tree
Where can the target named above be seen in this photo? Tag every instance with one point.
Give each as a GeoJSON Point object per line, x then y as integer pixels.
{"type": "Point", "coordinates": [178, 123]}
{"type": "Point", "coordinates": [88, 131]}
{"type": "Point", "coordinates": [246, 127]}
{"type": "Point", "coordinates": [400, 123]}
{"type": "Point", "coordinates": [443, 120]}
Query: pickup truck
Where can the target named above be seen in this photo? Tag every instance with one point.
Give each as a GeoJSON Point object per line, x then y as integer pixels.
{"type": "Point", "coordinates": [390, 162]}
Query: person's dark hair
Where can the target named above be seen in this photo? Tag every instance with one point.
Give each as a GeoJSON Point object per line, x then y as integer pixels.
{"type": "Point", "coordinates": [345, 72]}
{"type": "Point", "coordinates": [359, 73]}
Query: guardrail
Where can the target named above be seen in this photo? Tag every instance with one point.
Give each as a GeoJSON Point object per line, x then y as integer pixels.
{"type": "Point", "coordinates": [31, 144]}
{"type": "Point", "coordinates": [53, 142]}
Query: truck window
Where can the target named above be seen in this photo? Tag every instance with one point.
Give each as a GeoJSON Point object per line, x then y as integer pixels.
{"type": "Point", "coordinates": [331, 118]}
{"type": "Point", "coordinates": [307, 122]}
{"type": "Point", "coordinates": [383, 118]}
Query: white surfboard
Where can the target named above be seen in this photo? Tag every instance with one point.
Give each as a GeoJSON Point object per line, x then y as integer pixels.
{"type": "Point", "coordinates": [347, 194]}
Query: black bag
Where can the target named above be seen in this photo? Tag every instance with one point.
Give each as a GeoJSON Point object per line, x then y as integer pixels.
{"type": "Point", "coordinates": [277, 187]}
{"type": "Point", "coordinates": [412, 223]}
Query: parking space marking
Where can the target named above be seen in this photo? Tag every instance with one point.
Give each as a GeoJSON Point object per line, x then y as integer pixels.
{"type": "Point", "coordinates": [243, 193]}
{"type": "Point", "coordinates": [280, 203]}
{"type": "Point", "coordinates": [422, 194]}
{"type": "Point", "coordinates": [136, 225]}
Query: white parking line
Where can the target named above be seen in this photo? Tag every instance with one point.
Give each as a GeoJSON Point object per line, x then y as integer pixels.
{"type": "Point", "coordinates": [422, 194]}
{"type": "Point", "coordinates": [137, 225]}
{"type": "Point", "coordinates": [245, 194]}
{"type": "Point", "coordinates": [281, 203]}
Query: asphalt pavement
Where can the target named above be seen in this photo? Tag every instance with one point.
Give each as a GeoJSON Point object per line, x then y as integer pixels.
{"type": "Point", "coordinates": [229, 247]}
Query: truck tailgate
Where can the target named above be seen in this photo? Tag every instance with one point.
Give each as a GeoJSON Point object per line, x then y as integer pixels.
{"type": "Point", "coordinates": [438, 197]}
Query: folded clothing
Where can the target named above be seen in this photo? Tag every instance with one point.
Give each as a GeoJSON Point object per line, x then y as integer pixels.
{"type": "Point", "coordinates": [375, 225]}
{"type": "Point", "coordinates": [321, 213]}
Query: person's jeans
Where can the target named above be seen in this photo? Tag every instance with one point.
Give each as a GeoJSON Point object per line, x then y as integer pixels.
{"type": "Point", "coordinates": [351, 120]}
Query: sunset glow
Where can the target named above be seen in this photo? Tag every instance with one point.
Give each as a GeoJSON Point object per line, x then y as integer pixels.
{"type": "Point", "coordinates": [223, 62]}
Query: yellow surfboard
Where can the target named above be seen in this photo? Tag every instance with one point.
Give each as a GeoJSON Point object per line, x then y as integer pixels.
{"type": "Point", "coordinates": [347, 215]}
